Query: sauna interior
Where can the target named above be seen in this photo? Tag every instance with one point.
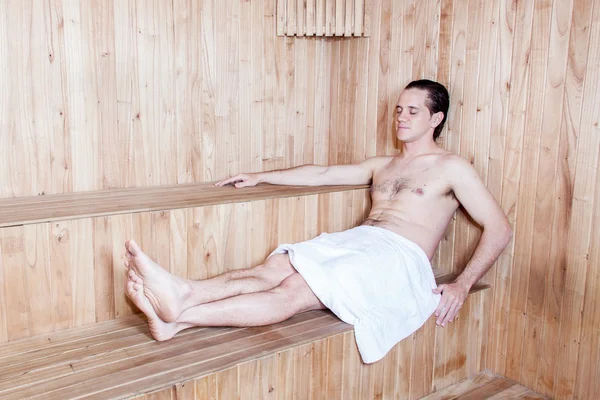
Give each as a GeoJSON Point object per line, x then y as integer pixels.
{"type": "Point", "coordinates": [117, 116]}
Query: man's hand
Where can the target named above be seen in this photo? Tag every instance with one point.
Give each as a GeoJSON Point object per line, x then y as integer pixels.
{"type": "Point", "coordinates": [453, 298]}
{"type": "Point", "coordinates": [240, 180]}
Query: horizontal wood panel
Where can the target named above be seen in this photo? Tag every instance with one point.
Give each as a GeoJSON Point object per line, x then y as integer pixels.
{"type": "Point", "coordinates": [36, 209]}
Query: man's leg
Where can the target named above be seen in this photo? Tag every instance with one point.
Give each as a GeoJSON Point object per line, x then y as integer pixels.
{"type": "Point", "coordinates": [170, 295]}
{"type": "Point", "coordinates": [291, 297]}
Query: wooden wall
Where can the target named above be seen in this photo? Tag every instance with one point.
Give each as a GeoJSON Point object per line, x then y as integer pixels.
{"type": "Point", "coordinates": [109, 94]}
{"type": "Point", "coordinates": [524, 78]}
{"type": "Point", "coordinates": [106, 94]}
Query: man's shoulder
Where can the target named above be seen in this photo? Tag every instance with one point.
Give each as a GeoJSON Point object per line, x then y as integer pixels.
{"type": "Point", "coordinates": [453, 161]}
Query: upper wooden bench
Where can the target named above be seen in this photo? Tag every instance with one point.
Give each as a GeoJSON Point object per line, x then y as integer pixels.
{"type": "Point", "coordinates": [118, 358]}
{"type": "Point", "coordinates": [36, 209]}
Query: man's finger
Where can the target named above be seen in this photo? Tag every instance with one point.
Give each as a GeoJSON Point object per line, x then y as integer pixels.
{"type": "Point", "coordinates": [441, 312]}
{"type": "Point", "coordinates": [441, 306]}
{"type": "Point", "coordinates": [228, 181]}
{"type": "Point", "coordinates": [451, 314]}
{"type": "Point", "coordinates": [439, 289]}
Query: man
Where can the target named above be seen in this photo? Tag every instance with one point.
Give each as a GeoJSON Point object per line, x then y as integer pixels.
{"type": "Point", "coordinates": [376, 276]}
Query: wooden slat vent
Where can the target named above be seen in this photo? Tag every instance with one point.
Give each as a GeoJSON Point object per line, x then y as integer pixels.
{"type": "Point", "coordinates": [323, 17]}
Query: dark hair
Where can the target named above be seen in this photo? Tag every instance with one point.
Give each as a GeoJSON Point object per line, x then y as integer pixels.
{"type": "Point", "coordinates": [438, 100]}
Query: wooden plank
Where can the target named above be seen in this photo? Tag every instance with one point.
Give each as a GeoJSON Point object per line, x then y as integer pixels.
{"type": "Point", "coordinates": [37, 275]}
{"type": "Point", "coordinates": [339, 25]}
{"type": "Point", "coordinates": [34, 343]}
{"type": "Point", "coordinates": [103, 269]}
{"type": "Point", "coordinates": [125, 201]}
{"type": "Point", "coordinates": [512, 164]}
{"type": "Point", "coordinates": [351, 368]}
{"type": "Point", "coordinates": [178, 225]}
{"type": "Point", "coordinates": [227, 384]}
{"type": "Point", "coordinates": [422, 362]}
{"type": "Point", "coordinates": [349, 17]}
{"type": "Point", "coordinates": [405, 350]}
{"type": "Point", "coordinates": [18, 314]}
{"type": "Point", "coordinates": [465, 386]}
{"type": "Point", "coordinates": [301, 17]}
{"type": "Point", "coordinates": [268, 374]}
{"type": "Point", "coordinates": [285, 374]}
{"type": "Point", "coordinates": [206, 387]}
{"type": "Point", "coordinates": [310, 25]}
{"type": "Point", "coordinates": [82, 257]}
{"type": "Point", "coordinates": [389, 27]}
{"type": "Point", "coordinates": [566, 157]}
{"type": "Point", "coordinates": [417, 20]}
{"type": "Point", "coordinates": [319, 372]}
{"type": "Point", "coordinates": [291, 18]}
{"type": "Point", "coordinates": [516, 392]}
{"type": "Point", "coordinates": [329, 18]}
{"type": "Point", "coordinates": [250, 380]}
{"type": "Point", "coordinates": [281, 17]}
{"type": "Point", "coordinates": [498, 137]}
{"type": "Point", "coordinates": [121, 231]}
{"type": "Point", "coordinates": [320, 28]}
{"type": "Point", "coordinates": [488, 390]}
{"type": "Point", "coordinates": [536, 64]}
{"type": "Point", "coordinates": [335, 358]}
{"type": "Point", "coordinates": [247, 143]}
{"type": "Point", "coordinates": [553, 87]}
{"type": "Point", "coordinates": [257, 87]}
{"type": "Point", "coordinates": [302, 379]}
{"type": "Point", "coordinates": [576, 328]}
{"type": "Point", "coordinates": [62, 274]}
{"type": "Point", "coordinates": [5, 118]}
{"type": "Point", "coordinates": [359, 16]}
{"type": "Point", "coordinates": [209, 87]}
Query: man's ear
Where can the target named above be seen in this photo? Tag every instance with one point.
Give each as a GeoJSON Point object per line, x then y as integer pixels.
{"type": "Point", "coordinates": [437, 119]}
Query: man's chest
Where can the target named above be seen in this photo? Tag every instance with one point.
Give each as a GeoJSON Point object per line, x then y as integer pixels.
{"type": "Point", "coordinates": [421, 181]}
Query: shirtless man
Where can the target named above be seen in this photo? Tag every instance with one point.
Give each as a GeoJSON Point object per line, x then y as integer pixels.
{"type": "Point", "coordinates": [414, 194]}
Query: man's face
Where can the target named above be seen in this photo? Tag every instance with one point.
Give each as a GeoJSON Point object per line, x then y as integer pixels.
{"type": "Point", "coordinates": [413, 119]}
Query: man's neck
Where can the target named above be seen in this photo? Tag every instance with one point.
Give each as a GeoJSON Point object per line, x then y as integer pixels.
{"type": "Point", "coordinates": [423, 146]}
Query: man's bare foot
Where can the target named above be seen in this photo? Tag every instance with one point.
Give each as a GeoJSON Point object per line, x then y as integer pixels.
{"type": "Point", "coordinates": [159, 329]}
{"type": "Point", "coordinates": [166, 293]}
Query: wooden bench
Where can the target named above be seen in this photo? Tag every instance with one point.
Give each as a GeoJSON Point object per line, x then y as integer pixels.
{"type": "Point", "coordinates": [118, 358]}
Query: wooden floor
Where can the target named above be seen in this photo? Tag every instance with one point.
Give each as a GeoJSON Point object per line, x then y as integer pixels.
{"type": "Point", "coordinates": [485, 386]}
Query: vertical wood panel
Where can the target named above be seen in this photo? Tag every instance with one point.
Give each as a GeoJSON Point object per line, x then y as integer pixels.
{"type": "Point", "coordinates": [339, 24]}
{"type": "Point", "coordinates": [17, 315]}
{"type": "Point", "coordinates": [575, 324]}
{"type": "Point", "coordinates": [103, 269]}
{"type": "Point", "coordinates": [38, 277]}
{"type": "Point", "coordinates": [513, 154]}
{"type": "Point", "coordinates": [535, 60]}
{"type": "Point", "coordinates": [544, 204]}
{"type": "Point", "coordinates": [566, 158]}
{"type": "Point", "coordinates": [502, 84]}
{"type": "Point", "coordinates": [62, 274]}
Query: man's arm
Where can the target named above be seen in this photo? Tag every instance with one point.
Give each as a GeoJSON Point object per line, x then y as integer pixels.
{"type": "Point", "coordinates": [477, 200]}
{"type": "Point", "coordinates": [313, 175]}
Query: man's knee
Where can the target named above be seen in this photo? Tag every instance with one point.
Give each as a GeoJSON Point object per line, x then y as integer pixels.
{"type": "Point", "coordinates": [276, 268]}
{"type": "Point", "coordinates": [296, 293]}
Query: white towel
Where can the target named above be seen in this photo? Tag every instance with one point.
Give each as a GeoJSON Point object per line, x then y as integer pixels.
{"type": "Point", "coordinates": [372, 278]}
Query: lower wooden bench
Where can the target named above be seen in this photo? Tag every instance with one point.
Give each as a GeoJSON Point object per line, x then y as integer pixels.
{"type": "Point", "coordinates": [119, 359]}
